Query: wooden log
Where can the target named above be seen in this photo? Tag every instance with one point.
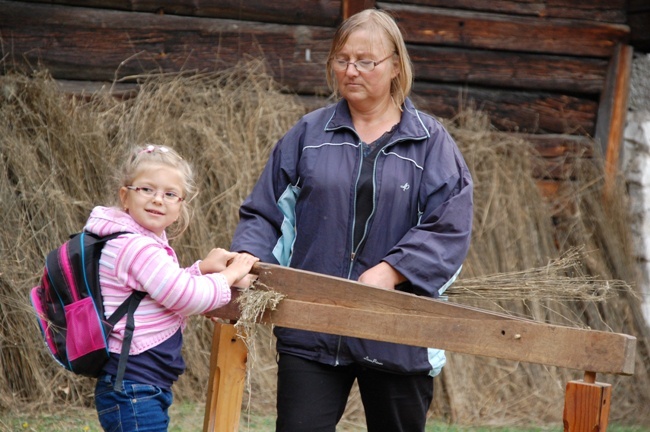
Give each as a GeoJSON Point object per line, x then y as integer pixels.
{"type": "Point", "coordinates": [438, 26]}
{"type": "Point", "coordinates": [533, 112]}
{"type": "Point", "coordinates": [227, 379]}
{"type": "Point", "coordinates": [309, 12]}
{"type": "Point", "coordinates": [638, 18]}
{"type": "Point", "coordinates": [77, 43]}
{"type": "Point", "coordinates": [333, 305]}
{"type": "Point", "coordinates": [509, 70]}
{"type": "Point", "coordinates": [612, 112]}
{"type": "Point", "coordinates": [351, 7]}
{"type": "Point", "coordinates": [554, 145]}
{"type": "Point", "coordinates": [612, 11]}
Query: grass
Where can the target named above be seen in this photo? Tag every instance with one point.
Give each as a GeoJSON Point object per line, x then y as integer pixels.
{"type": "Point", "coordinates": [187, 417]}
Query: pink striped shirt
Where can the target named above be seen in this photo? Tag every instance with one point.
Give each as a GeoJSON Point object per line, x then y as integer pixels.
{"type": "Point", "coordinates": [145, 262]}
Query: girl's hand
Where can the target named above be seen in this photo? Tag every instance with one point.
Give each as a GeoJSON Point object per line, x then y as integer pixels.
{"type": "Point", "coordinates": [239, 268]}
{"type": "Point", "coordinates": [216, 261]}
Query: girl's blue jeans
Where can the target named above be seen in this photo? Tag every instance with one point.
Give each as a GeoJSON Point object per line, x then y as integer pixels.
{"type": "Point", "coordinates": [139, 407]}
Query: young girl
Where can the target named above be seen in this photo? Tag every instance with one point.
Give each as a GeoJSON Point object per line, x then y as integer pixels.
{"type": "Point", "coordinates": [155, 188]}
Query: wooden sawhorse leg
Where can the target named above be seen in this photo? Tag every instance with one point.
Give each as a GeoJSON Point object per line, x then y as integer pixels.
{"type": "Point", "coordinates": [227, 378]}
{"type": "Point", "coordinates": [586, 405]}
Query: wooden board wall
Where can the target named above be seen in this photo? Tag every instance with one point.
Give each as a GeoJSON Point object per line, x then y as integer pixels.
{"type": "Point", "coordinates": [537, 67]}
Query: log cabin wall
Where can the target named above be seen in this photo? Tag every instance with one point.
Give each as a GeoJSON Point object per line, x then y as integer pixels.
{"type": "Point", "coordinates": [555, 70]}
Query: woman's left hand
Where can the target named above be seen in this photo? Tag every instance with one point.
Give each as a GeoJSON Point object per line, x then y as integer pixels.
{"type": "Point", "coordinates": [383, 275]}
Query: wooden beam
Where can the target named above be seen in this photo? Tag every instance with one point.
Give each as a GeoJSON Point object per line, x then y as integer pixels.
{"type": "Point", "coordinates": [297, 12]}
{"type": "Point", "coordinates": [327, 304]}
{"type": "Point", "coordinates": [447, 27]}
{"type": "Point", "coordinates": [612, 112]}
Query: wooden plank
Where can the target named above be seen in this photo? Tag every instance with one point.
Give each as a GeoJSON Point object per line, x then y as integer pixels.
{"type": "Point", "coordinates": [333, 305]}
{"type": "Point", "coordinates": [446, 27]}
{"type": "Point", "coordinates": [612, 11]}
{"type": "Point", "coordinates": [612, 112]}
{"type": "Point", "coordinates": [330, 290]}
{"type": "Point", "coordinates": [515, 340]}
{"type": "Point", "coordinates": [77, 43]}
{"type": "Point", "coordinates": [310, 12]}
{"type": "Point", "coordinates": [575, 75]}
{"type": "Point", "coordinates": [518, 111]}
{"type": "Point", "coordinates": [227, 379]}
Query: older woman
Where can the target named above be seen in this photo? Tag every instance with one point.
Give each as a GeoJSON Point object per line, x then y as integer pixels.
{"type": "Point", "coordinates": [367, 189]}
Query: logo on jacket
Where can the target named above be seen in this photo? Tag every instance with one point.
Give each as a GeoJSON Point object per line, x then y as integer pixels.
{"type": "Point", "coordinates": [405, 187]}
{"type": "Point", "coordinates": [375, 361]}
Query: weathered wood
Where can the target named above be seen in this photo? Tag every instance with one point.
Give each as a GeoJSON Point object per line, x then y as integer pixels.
{"type": "Point", "coordinates": [552, 145]}
{"type": "Point", "coordinates": [533, 112]}
{"type": "Point", "coordinates": [612, 112]}
{"type": "Point", "coordinates": [612, 11]}
{"type": "Point", "coordinates": [350, 7]}
{"type": "Point", "coordinates": [573, 75]}
{"type": "Point", "coordinates": [639, 22]}
{"type": "Point", "coordinates": [227, 379]}
{"type": "Point", "coordinates": [310, 12]}
{"type": "Point", "coordinates": [510, 340]}
{"type": "Point", "coordinates": [333, 305]}
{"type": "Point", "coordinates": [587, 406]}
{"type": "Point", "coordinates": [558, 157]}
{"type": "Point", "coordinates": [77, 43]}
{"type": "Point", "coordinates": [438, 26]}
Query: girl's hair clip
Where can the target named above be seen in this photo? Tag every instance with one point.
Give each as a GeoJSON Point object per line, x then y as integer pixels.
{"type": "Point", "coordinates": [151, 148]}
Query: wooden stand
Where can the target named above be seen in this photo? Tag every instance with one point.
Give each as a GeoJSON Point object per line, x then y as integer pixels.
{"type": "Point", "coordinates": [586, 405]}
{"type": "Point", "coordinates": [227, 378]}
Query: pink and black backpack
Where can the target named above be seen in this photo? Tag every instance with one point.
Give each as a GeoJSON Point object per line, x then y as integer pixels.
{"type": "Point", "coordinates": [70, 309]}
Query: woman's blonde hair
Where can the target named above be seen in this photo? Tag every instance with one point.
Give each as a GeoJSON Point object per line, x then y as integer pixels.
{"type": "Point", "coordinates": [375, 20]}
{"type": "Point", "coordinates": [148, 154]}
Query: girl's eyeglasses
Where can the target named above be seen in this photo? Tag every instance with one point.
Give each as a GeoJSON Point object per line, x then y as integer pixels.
{"type": "Point", "coordinates": [169, 197]}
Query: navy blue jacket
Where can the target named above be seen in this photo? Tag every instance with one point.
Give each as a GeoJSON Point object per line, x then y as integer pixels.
{"type": "Point", "coordinates": [301, 213]}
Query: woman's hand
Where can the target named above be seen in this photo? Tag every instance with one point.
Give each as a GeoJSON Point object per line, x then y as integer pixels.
{"type": "Point", "coordinates": [383, 275]}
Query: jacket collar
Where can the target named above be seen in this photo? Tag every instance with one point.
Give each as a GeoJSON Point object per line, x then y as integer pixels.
{"type": "Point", "coordinates": [410, 126]}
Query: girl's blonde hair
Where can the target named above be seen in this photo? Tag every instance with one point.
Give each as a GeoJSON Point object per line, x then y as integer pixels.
{"type": "Point", "coordinates": [375, 20]}
{"type": "Point", "coordinates": [166, 156]}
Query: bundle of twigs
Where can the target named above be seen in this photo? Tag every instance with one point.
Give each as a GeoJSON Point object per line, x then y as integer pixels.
{"type": "Point", "coordinates": [562, 279]}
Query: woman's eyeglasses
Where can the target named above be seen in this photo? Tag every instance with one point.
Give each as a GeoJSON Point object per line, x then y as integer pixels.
{"type": "Point", "coordinates": [360, 65]}
{"type": "Point", "coordinates": [169, 197]}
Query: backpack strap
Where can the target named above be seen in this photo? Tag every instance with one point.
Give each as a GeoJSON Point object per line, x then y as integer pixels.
{"type": "Point", "coordinates": [128, 307]}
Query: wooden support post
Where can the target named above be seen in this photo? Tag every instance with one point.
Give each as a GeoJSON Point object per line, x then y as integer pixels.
{"type": "Point", "coordinates": [586, 405]}
{"type": "Point", "coordinates": [227, 378]}
{"type": "Point", "coordinates": [612, 112]}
